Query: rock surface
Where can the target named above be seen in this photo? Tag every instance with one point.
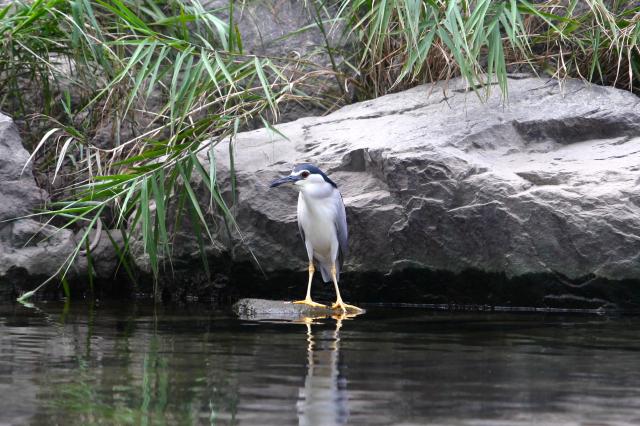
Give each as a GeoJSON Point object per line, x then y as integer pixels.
{"type": "Point", "coordinates": [29, 250]}
{"type": "Point", "coordinates": [435, 180]}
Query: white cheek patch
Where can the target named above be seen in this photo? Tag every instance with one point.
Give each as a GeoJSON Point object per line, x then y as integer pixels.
{"type": "Point", "coordinates": [305, 181]}
{"type": "Point", "coordinates": [315, 179]}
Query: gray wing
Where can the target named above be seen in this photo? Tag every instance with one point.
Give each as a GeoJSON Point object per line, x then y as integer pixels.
{"type": "Point", "coordinates": [341, 227]}
{"type": "Point", "coordinates": [299, 215]}
{"type": "Point", "coordinates": [304, 240]}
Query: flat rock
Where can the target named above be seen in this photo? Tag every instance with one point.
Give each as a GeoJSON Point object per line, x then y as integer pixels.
{"type": "Point", "coordinates": [277, 309]}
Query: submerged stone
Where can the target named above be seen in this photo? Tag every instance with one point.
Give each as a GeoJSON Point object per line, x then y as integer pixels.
{"type": "Point", "coordinates": [263, 309]}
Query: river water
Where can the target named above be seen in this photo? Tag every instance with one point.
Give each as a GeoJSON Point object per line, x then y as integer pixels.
{"type": "Point", "coordinates": [120, 363]}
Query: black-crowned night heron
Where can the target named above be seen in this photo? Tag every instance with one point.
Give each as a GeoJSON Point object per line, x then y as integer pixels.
{"type": "Point", "coordinates": [322, 222]}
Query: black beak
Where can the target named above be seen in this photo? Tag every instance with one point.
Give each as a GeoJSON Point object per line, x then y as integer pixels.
{"type": "Point", "coordinates": [282, 180]}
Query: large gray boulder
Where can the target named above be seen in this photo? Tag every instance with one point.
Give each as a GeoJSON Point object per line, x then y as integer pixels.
{"type": "Point", "coordinates": [31, 251]}
{"type": "Point", "coordinates": [434, 179]}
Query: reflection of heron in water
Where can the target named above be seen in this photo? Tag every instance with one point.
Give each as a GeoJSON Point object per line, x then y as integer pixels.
{"type": "Point", "coordinates": [323, 400]}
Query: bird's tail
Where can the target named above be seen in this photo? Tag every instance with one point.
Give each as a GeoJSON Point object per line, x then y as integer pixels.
{"type": "Point", "coordinates": [326, 272]}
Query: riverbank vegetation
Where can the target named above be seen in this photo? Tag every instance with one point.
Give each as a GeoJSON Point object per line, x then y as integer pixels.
{"type": "Point", "coordinates": [120, 102]}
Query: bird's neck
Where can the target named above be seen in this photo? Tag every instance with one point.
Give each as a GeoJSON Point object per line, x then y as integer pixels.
{"type": "Point", "coordinates": [314, 197]}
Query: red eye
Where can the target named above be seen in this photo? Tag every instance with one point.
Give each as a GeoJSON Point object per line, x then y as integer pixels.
{"type": "Point", "coordinates": [304, 174]}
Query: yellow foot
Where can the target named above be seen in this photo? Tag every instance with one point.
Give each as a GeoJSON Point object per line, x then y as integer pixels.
{"type": "Point", "coordinates": [311, 303]}
{"type": "Point", "coordinates": [346, 308]}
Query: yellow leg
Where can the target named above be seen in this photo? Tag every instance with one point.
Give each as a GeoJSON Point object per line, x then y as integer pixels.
{"type": "Point", "coordinates": [307, 300]}
{"type": "Point", "coordinates": [339, 303]}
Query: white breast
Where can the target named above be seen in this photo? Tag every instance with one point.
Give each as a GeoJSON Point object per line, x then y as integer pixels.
{"type": "Point", "coordinates": [317, 218]}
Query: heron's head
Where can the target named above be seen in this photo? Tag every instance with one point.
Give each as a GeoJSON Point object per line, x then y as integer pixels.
{"type": "Point", "coordinates": [304, 175]}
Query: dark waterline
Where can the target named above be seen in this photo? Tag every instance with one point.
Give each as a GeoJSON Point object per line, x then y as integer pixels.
{"type": "Point", "coordinates": [140, 364]}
